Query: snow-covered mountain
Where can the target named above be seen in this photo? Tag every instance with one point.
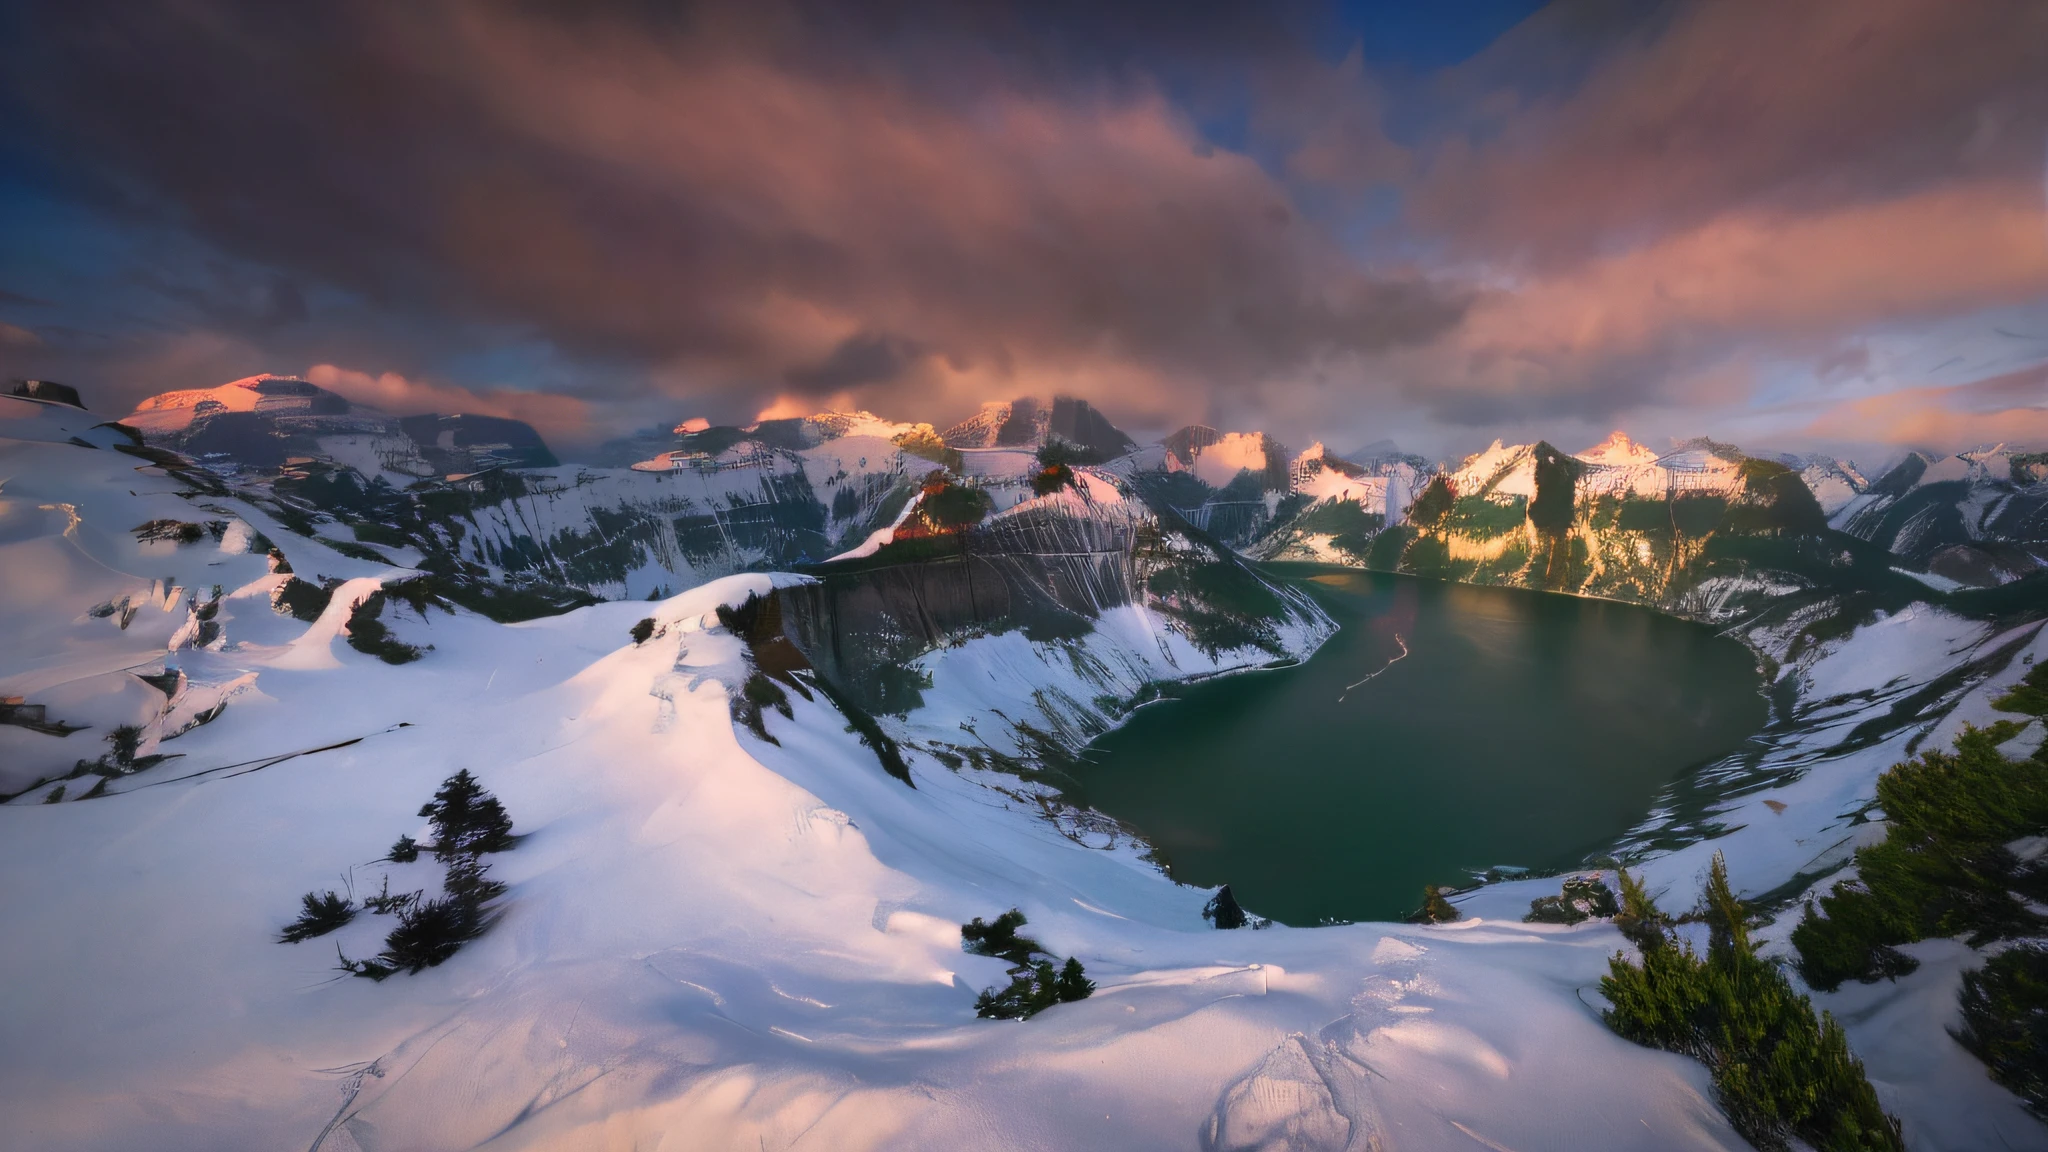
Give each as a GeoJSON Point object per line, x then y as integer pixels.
{"type": "Point", "coordinates": [755, 810]}
{"type": "Point", "coordinates": [1703, 530]}
{"type": "Point", "coordinates": [262, 422]}
{"type": "Point", "coordinates": [1979, 518]}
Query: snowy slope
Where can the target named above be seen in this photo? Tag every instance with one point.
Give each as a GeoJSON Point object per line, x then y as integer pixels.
{"type": "Point", "coordinates": [716, 942]}
{"type": "Point", "coordinates": [713, 942]}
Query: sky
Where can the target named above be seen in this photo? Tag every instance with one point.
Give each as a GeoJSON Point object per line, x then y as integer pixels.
{"type": "Point", "coordinates": [1814, 226]}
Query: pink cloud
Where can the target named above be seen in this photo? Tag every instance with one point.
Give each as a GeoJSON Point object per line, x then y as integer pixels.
{"type": "Point", "coordinates": [1649, 320]}
{"type": "Point", "coordinates": [2010, 408]}
{"type": "Point", "coordinates": [554, 415]}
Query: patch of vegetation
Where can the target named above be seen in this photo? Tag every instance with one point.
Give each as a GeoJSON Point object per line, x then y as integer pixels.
{"type": "Point", "coordinates": [896, 689]}
{"type": "Point", "coordinates": [120, 759]}
{"type": "Point", "coordinates": [1435, 503]}
{"type": "Point", "coordinates": [1221, 603]}
{"type": "Point", "coordinates": [2005, 1021]}
{"type": "Point", "coordinates": [1942, 869]}
{"type": "Point", "coordinates": [1482, 518]}
{"type": "Point", "coordinates": [757, 621]}
{"type": "Point", "coordinates": [468, 823]}
{"type": "Point", "coordinates": [1780, 1072]}
{"type": "Point", "coordinates": [1352, 530]}
{"type": "Point", "coordinates": [355, 551]}
{"type": "Point", "coordinates": [1059, 452]}
{"type": "Point", "coordinates": [2028, 697]}
{"type": "Point", "coordinates": [370, 636]}
{"type": "Point", "coordinates": [467, 820]}
{"type": "Point", "coordinates": [178, 531]}
{"type": "Point", "coordinates": [173, 465]}
{"type": "Point", "coordinates": [1697, 514]}
{"type": "Point", "coordinates": [375, 532]}
{"type": "Point", "coordinates": [1582, 898]}
{"type": "Point", "coordinates": [509, 604]}
{"type": "Point", "coordinates": [428, 932]}
{"type": "Point", "coordinates": [1034, 988]}
{"type": "Point", "coordinates": [1173, 490]}
{"type": "Point", "coordinates": [757, 693]}
{"type": "Point", "coordinates": [1557, 477]}
{"type": "Point", "coordinates": [1034, 984]}
{"type": "Point", "coordinates": [1436, 906]}
{"type": "Point", "coordinates": [418, 594]}
{"type": "Point", "coordinates": [1049, 480]}
{"type": "Point", "coordinates": [948, 507]}
{"type": "Point", "coordinates": [1634, 513]}
{"type": "Point", "coordinates": [385, 903]}
{"type": "Point", "coordinates": [303, 599]}
{"type": "Point", "coordinates": [924, 442]}
{"type": "Point", "coordinates": [1390, 546]}
{"type": "Point", "coordinates": [1776, 502]}
{"type": "Point", "coordinates": [321, 913]}
{"type": "Point", "coordinates": [642, 631]}
{"type": "Point", "coordinates": [999, 939]}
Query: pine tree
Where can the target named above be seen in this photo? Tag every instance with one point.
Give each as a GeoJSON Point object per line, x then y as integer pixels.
{"type": "Point", "coordinates": [1639, 920]}
{"type": "Point", "coordinates": [1000, 938]}
{"type": "Point", "coordinates": [429, 932]}
{"type": "Point", "coordinates": [323, 913]}
{"type": "Point", "coordinates": [1045, 987]}
{"type": "Point", "coordinates": [405, 851]}
{"type": "Point", "coordinates": [1727, 920]}
{"type": "Point", "coordinates": [1435, 908]}
{"type": "Point", "coordinates": [1074, 983]}
{"type": "Point", "coordinates": [467, 820]}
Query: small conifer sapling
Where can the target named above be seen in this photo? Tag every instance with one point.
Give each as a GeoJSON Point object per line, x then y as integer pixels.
{"type": "Point", "coordinates": [1223, 910]}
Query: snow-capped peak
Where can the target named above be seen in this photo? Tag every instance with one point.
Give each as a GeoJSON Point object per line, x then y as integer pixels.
{"type": "Point", "coordinates": [171, 411]}
{"type": "Point", "coordinates": [1618, 451]}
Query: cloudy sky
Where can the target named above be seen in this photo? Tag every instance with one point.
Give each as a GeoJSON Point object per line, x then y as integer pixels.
{"type": "Point", "coordinates": [1819, 224]}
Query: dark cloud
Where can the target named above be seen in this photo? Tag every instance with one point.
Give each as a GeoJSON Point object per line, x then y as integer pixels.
{"type": "Point", "coordinates": [1178, 210]}
{"type": "Point", "coordinates": [858, 360]}
{"type": "Point", "coordinates": [21, 300]}
{"type": "Point", "coordinates": [231, 298]}
{"type": "Point", "coordinates": [1598, 124]}
{"type": "Point", "coordinates": [732, 196]}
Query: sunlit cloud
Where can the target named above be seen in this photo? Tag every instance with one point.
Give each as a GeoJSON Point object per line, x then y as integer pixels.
{"type": "Point", "coordinates": [2012, 409]}
{"type": "Point", "coordinates": [553, 414]}
{"type": "Point", "coordinates": [744, 209]}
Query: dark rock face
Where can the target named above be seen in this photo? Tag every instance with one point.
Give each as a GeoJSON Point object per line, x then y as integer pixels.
{"type": "Point", "coordinates": [47, 390]}
{"type": "Point", "coordinates": [244, 437]}
{"type": "Point", "coordinates": [1047, 575]}
{"type": "Point", "coordinates": [1076, 422]}
{"type": "Point", "coordinates": [1029, 423]}
{"type": "Point", "coordinates": [471, 443]}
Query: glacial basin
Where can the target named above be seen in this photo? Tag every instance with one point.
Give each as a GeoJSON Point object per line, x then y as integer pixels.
{"type": "Point", "coordinates": [1444, 730]}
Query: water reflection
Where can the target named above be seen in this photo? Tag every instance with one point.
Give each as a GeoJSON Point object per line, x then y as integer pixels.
{"type": "Point", "coordinates": [1518, 729]}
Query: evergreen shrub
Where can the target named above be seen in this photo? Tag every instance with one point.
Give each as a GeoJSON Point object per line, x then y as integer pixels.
{"type": "Point", "coordinates": [1781, 1073]}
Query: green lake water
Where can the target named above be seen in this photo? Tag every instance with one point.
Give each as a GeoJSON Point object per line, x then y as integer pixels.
{"type": "Point", "coordinates": [1519, 729]}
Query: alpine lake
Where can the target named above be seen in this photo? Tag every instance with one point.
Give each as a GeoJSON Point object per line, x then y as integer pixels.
{"type": "Point", "coordinates": [1445, 730]}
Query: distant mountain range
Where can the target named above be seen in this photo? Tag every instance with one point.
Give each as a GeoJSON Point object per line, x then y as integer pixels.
{"type": "Point", "coordinates": [264, 421]}
{"type": "Point", "coordinates": [1703, 529]}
